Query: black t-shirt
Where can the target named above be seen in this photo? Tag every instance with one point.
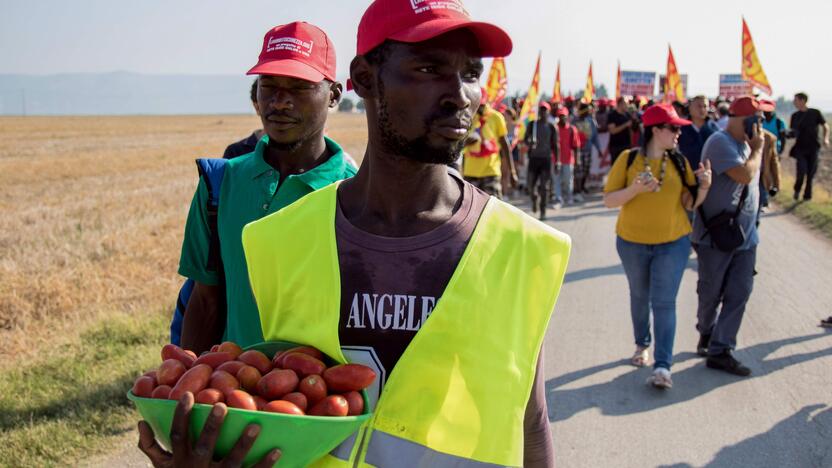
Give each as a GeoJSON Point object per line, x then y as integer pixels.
{"type": "Point", "coordinates": [244, 146]}
{"type": "Point", "coordinates": [805, 126]}
{"type": "Point", "coordinates": [622, 138]}
{"type": "Point", "coordinates": [545, 138]}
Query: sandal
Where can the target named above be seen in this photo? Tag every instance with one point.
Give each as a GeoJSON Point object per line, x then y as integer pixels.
{"type": "Point", "coordinates": [660, 378]}
{"type": "Point", "coordinates": [640, 357]}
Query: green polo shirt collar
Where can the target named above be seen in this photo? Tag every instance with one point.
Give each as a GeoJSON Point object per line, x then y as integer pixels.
{"type": "Point", "coordinates": [319, 177]}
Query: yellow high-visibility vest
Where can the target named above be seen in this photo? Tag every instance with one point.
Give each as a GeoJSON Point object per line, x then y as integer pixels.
{"type": "Point", "coordinates": [458, 395]}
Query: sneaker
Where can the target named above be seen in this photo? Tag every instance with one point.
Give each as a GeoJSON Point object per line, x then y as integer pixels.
{"type": "Point", "coordinates": [702, 346]}
{"type": "Point", "coordinates": [660, 378]}
{"type": "Point", "coordinates": [579, 198]}
{"type": "Point", "coordinates": [726, 362]}
{"type": "Point", "coordinates": [827, 322]}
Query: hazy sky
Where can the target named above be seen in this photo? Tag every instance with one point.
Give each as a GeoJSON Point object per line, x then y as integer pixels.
{"type": "Point", "coordinates": [224, 37]}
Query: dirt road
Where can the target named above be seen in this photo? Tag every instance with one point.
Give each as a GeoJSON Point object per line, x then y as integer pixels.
{"type": "Point", "coordinates": [603, 414]}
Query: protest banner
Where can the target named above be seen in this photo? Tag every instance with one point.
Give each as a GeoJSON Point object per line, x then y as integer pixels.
{"type": "Point", "coordinates": [733, 85]}
{"type": "Point", "coordinates": [638, 83]}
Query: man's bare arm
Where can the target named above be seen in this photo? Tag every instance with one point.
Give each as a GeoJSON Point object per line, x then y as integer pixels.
{"type": "Point", "coordinates": [204, 321]}
{"type": "Point", "coordinates": [538, 446]}
{"type": "Point", "coordinates": [616, 129]}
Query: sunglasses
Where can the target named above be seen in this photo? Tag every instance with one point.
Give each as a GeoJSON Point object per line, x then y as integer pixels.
{"type": "Point", "coordinates": [673, 128]}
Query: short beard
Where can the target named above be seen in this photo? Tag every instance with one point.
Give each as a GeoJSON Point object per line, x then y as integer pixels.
{"type": "Point", "coordinates": [417, 149]}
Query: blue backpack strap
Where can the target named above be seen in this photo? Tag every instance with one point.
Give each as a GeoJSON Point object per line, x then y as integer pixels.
{"type": "Point", "coordinates": [212, 171]}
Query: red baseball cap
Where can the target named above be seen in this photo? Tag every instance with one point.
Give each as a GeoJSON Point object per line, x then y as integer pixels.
{"type": "Point", "coordinates": [659, 114]}
{"type": "Point", "coordinates": [767, 105]}
{"type": "Point", "coordinates": [544, 104]}
{"type": "Point", "coordinates": [299, 50]}
{"type": "Point", "coordinates": [744, 106]}
{"type": "Point", "coordinates": [420, 20]}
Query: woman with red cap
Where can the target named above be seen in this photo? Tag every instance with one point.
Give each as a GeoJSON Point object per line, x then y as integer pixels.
{"type": "Point", "coordinates": [654, 185]}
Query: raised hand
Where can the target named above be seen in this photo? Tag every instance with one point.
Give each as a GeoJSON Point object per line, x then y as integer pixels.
{"type": "Point", "coordinates": [704, 174]}
{"type": "Point", "coordinates": [756, 141]}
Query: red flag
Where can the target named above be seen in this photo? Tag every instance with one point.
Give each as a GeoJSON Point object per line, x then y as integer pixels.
{"type": "Point", "coordinates": [673, 89]}
{"type": "Point", "coordinates": [752, 69]}
{"type": "Point", "coordinates": [589, 89]}
{"type": "Point", "coordinates": [556, 97]}
{"type": "Point", "coordinates": [528, 112]}
{"type": "Point", "coordinates": [618, 82]}
{"type": "Point", "coordinates": [497, 84]}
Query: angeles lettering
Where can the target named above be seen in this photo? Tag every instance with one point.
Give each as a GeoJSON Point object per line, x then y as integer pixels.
{"type": "Point", "coordinates": [389, 311]}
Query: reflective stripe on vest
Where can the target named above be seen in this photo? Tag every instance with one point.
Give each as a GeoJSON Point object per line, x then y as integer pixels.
{"type": "Point", "coordinates": [460, 389]}
{"type": "Point", "coordinates": [388, 450]}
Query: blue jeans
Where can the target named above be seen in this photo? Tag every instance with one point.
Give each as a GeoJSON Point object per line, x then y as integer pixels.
{"type": "Point", "coordinates": [654, 273]}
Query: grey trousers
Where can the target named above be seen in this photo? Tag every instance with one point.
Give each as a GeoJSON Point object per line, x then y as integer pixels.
{"type": "Point", "coordinates": [726, 279]}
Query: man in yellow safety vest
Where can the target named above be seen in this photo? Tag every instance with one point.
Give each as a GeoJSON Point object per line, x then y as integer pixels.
{"type": "Point", "coordinates": [445, 290]}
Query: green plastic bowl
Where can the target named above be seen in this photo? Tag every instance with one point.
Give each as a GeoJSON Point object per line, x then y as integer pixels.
{"type": "Point", "coordinates": [301, 439]}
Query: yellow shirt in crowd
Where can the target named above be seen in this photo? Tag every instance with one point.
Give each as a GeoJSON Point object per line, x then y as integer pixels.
{"type": "Point", "coordinates": [482, 159]}
{"type": "Point", "coordinates": [652, 217]}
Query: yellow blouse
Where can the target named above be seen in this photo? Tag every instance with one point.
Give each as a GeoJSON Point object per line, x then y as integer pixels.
{"type": "Point", "coordinates": [652, 217]}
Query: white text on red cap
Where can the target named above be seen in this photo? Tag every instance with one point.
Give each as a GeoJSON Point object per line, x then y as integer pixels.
{"type": "Point", "coordinates": [421, 6]}
{"type": "Point", "coordinates": [292, 44]}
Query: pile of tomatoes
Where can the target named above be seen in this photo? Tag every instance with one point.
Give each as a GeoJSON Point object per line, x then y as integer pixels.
{"type": "Point", "coordinates": [296, 381]}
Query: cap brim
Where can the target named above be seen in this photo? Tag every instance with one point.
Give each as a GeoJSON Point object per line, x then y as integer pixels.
{"type": "Point", "coordinates": [767, 107]}
{"type": "Point", "coordinates": [287, 67]}
{"type": "Point", "coordinates": [493, 41]}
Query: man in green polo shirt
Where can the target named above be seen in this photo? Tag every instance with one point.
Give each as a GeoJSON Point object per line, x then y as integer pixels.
{"type": "Point", "coordinates": [296, 89]}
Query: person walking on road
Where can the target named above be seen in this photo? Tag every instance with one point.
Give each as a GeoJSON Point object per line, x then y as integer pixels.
{"type": "Point", "coordinates": [294, 94]}
{"type": "Point", "coordinates": [542, 142]}
{"type": "Point", "coordinates": [725, 234]}
{"type": "Point", "coordinates": [588, 134]}
{"type": "Point", "coordinates": [806, 150]}
{"type": "Point", "coordinates": [693, 136]}
{"type": "Point", "coordinates": [487, 156]}
{"type": "Point", "coordinates": [428, 252]}
{"type": "Point", "coordinates": [774, 124]}
{"type": "Point", "coordinates": [654, 186]}
{"type": "Point", "coordinates": [569, 145]}
{"type": "Point", "coordinates": [619, 124]}
{"type": "Point", "coordinates": [773, 132]}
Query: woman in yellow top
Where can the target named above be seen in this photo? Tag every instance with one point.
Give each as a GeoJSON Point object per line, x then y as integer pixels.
{"type": "Point", "coordinates": [653, 229]}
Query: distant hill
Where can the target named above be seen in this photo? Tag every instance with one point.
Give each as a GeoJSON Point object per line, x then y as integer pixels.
{"type": "Point", "coordinates": [123, 93]}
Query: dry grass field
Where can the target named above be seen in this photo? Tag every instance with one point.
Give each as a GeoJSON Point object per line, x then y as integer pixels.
{"type": "Point", "coordinates": [92, 216]}
{"type": "Point", "coordinates": [93, 210]}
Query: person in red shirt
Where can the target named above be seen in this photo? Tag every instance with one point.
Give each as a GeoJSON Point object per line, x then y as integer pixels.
{"type": "Point", "coordinates": [565, 166]}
